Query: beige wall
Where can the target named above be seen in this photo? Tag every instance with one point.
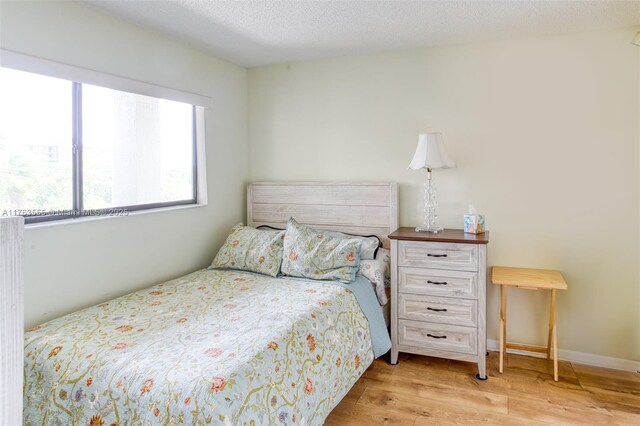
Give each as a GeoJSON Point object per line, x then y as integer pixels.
{"type": "Point", "coordinates": [74, 265]}
{"type": "Point", "coordinates": [545, 132]}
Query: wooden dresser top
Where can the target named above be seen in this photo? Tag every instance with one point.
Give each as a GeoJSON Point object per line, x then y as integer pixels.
{"type": "Point", "coordinates": [445, 236]}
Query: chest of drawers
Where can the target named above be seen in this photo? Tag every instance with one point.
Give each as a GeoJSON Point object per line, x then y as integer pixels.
{"type": "Point", "coordinates": [438, 295]}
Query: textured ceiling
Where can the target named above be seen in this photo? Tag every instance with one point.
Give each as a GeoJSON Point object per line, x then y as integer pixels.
{"type": "Point", "coordinates": [253, 33]}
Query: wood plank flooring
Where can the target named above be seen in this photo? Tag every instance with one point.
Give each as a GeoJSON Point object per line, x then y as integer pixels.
{"type": "Point", "coordinates": [422, 391]}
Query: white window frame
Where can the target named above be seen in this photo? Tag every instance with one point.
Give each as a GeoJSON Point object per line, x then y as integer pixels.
{"type": "Point", "coordinates": [80, 75]}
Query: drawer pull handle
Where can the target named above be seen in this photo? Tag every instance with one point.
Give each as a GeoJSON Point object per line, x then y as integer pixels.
{"type": "Point", "coordinates": [436, 255]}
{"type": "Point", "coordinates": [437, 282]}
{"type": "Point", "coordinates": [437, 337]}
{"type": "Point", "coordinates": [436, 310]}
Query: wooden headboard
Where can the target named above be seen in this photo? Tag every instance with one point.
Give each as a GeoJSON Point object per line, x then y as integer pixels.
{"type": "Point", "coordinates": [360, 208]}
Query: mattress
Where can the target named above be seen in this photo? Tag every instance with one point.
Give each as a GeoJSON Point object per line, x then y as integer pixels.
{"type": "Point", "coordinates": [212, 347]}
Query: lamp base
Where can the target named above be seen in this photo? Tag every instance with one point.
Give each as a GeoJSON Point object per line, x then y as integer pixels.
{"type": "Point", "coordinates": [430, 217]}
{"type": "Point", "coordinates": [426, 228]}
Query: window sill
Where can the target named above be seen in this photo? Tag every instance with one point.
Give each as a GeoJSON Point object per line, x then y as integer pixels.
{"type": "Point", "coordinates": [85, 219]}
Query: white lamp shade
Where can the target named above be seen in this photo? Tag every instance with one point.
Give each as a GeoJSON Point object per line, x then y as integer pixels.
{"type": "Point", "coordinates": [636, 40]}
{"type": "Point", "coordinates": [430, 153]}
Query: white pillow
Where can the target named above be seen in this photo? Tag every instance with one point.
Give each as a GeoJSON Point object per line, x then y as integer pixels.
{"type": "Point", "coordinates": [378, 272]}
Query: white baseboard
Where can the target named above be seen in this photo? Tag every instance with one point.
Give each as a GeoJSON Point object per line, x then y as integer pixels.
{"type": "Point", "coordinates": [578, 358]}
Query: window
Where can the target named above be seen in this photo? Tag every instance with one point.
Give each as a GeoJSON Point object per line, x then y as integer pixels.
{"type": "Point", "coordinates": [71, 149]}
{"type": "Point", "coordinates": [35, 142]}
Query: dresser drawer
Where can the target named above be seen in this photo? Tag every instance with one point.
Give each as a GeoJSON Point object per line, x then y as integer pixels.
{"type": "Point", "coordinates": [459, 257]}
{"type": "Point", "coordinates": [444, 337]}
{"type": "Point", "coordinates": [443, 310]}
{"type": "Point", "coordinates": [436, 282]}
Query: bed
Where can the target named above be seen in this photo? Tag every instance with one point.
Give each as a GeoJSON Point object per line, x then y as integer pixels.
{"type": "Point", "coordinates": [219, 346]}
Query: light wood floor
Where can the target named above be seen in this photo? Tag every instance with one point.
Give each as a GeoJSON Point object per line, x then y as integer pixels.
{"type": "Point", "coordinates": [424, 391]}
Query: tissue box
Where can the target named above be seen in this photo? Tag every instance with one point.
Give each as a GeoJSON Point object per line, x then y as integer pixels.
{"type": "Point", "coordinates": [473, 223]}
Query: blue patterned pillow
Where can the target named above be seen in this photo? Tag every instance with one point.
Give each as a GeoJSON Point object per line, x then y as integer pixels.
{"type": "Point", "coordinates": [370, 243]}
{"type": "Point", "coordinates": [309, 253]}
{"type": "Point", "coordinates": [250, 249]}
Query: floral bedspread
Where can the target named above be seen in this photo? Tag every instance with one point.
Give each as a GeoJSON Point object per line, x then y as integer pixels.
{"type": "Point", "coordinates": [212, 347]}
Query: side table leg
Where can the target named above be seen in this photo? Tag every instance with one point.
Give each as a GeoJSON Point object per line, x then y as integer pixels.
{"type": "Point", "coordinates": [555, 336]}
{"type": "Point", "coordinates": [503, 325]}
{"type": "Point", "coordinates": [552, 319]}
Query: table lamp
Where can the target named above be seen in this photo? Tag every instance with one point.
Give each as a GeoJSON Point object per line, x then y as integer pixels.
{"type": "Point", "coordinates": [430, 154]}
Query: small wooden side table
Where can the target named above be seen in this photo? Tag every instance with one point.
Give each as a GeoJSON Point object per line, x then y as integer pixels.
{"type": "Point", "coordinates": [532, 279]}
